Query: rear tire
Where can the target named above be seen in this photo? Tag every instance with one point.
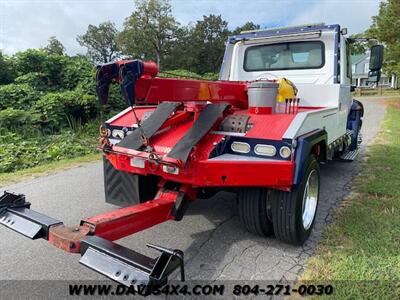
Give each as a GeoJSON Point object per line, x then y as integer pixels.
{"type": "Point", "coordinates": [293, 213]}
{"type": "Point", "coordinates": [123, 188]}
{"type": "Point", "coordinates": [253, 206]}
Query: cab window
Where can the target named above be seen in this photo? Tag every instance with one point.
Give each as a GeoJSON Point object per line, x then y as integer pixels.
{"type": "Point", "coordinates": [285, 56]}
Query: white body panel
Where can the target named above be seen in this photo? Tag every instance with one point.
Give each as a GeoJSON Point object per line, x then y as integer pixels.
{"type": "Point", "coordinates": [323, 75]}
{"type": "Point", "coordinates": [316, 87]}
{"type": "Point", "coordinates": [333, 118]}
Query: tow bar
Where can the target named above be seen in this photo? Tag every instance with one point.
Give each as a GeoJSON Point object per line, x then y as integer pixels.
{"type": "Point", "coordinates": [93, 237]}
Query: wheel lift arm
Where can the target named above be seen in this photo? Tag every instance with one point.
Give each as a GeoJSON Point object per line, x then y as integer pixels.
{"type": "Point", "coordinates": [93, 237]}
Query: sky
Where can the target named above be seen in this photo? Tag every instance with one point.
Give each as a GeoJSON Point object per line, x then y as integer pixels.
{"type": "Point", "coordinates": [28, 24]}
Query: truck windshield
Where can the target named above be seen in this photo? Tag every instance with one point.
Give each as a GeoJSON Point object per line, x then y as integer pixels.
{"type": "Point", "coordinates": [285, 56]}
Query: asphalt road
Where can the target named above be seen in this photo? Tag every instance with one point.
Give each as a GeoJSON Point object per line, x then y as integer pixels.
{"type": "Point", "coordinates": [215, 244]}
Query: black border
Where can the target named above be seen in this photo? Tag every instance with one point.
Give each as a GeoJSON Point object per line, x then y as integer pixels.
{"type": "Point", "coordinates": [301, 68]}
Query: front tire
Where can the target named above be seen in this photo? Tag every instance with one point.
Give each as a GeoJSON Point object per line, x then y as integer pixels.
{"type": "Point", "coordinates": [293, 213]}
{"type": "Point", "coordinates": [253, 206]}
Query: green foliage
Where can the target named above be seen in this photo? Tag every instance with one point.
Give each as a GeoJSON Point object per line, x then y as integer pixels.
{"type": "Point", "coordinates": [181, 52]}
{"type": "Point", "coordinates": [100, 42]}
{"type": "Point", "coordinates": [19, 152]}
{"type": "Point", "coordinates": [45, 71]}
{"type": "Point", "coordinates": [15, 119]}
{"type": "Point", "coordinates": [79, 72]}
{"type": "Point", "coordinates": [31, 60]}
{"type": "Point", "coordinates": [385, 27]}
{"type": "Point", "coordinates": [7, 71]}
{"type": "Point", "coordinates": [51, 111]}
{"type": "Point", "coordinates": [54, 46]}
{"type": "Point", "coordinates": [148, 31]}
{"type": "Point", "coordinates": [116, 102]}
{"type": "Point", "coordinates": [357, 44]}
{"type": "Point", "coordinates": [56, 110]}
{"type": "Point", "coordinates": [210, 76]}
{"type": "Point", "coordinates": [209, 38]}
{"type": "Point", "coordinates": [19, 96]}
{"type": "Point", "coordinates": [359, 252]}
{"type": "Point", "coordinates": [39, 61]}
{"type": "Point", "coordinates": [246, 27]}
{"type": "Point", "coordinates": [199, 48]}
{"type": "Point", "coordinates": [44, 92]}
{"type": "Point", "coordinates": [180, 73]}
{"type": "Point", "coordinates": [35, 80]}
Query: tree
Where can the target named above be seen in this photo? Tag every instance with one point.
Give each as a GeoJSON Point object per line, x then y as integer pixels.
{"type": "Point", "coordinates": [359, 43]}
{"type": "Point", "coordinates": [54, 46]}
{"type": "Point", "coordinates": [181, 52]}
{"type": "Point", "coordinates": [7, 72]}
{"type": "Point", "coordinates": [246, 27]}
{"type": "Point", "coordinates": [208, 40]}
{"type": "Point", "coordinates": [100, 42]}
{"type": "Point", "coordinates": [49, 67]}
{"type": "Point", "coordinates": [385, 27]}
{"type": "Point", "coordinates": [149, 30]}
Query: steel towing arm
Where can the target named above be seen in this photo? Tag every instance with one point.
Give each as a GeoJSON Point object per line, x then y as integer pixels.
{"type": "Point", "coordinates": [93, 237]}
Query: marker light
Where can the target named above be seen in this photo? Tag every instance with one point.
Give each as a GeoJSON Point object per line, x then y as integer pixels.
{"type": "Point", "coordinates": [119, 134]}
{"type": "Point", "coordinates": [137, 162]}
{"type": "Point", "coordinates": [171, 170]}
{"type": "Point", "coordinates": [265, 150]}
{"type": "Point", "coordinates": [240, 147]}
{"type": "Point", "coordinates": [285, 152]}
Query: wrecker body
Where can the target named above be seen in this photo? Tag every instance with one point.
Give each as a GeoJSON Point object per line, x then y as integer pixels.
{"type": "Point", "coordinates": [180, 140]}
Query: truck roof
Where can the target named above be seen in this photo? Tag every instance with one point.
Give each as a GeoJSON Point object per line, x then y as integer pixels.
{"type": "Point", "coordinates": [278, 31]}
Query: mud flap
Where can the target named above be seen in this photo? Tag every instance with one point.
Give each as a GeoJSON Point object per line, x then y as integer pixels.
{"type": "Point", "coordinates": [128, 267]}
{"type": "Point", "coordinates": [120, 188]}
{"type": "Point", "coordinates": [200, 128]}
{"type": "Point", "coordinates": [150, 126]}
{"type": "Point", "coordinates": [124, 189]}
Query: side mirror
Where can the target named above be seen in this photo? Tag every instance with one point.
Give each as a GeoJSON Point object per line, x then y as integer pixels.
{"type": "Point", "coordinates": [375, 63]}
{"type": "Point", "coordinates": [376, 58]}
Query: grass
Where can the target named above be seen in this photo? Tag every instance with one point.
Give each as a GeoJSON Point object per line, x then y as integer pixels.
{"type": "Point", "coordinates": [360, 252]}
{"type": "Point", "coordinates": [32, 154]}
{"type": "Point", "coordinates": [46, 169]}
{"type": "Point", "coordinates": [391, 92]}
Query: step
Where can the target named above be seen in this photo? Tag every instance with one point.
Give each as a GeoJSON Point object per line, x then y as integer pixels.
{"type": "Point", "coordinates": [349, 155]}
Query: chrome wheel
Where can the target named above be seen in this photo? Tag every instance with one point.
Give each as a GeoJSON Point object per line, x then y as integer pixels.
{"type": "Point", "coordinates": [310, 199]}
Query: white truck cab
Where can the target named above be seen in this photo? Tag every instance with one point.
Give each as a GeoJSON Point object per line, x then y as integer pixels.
{"type": "Point", "coordinates": [316, 58]}
{"type": "Point", "coordinates": [310, 54]}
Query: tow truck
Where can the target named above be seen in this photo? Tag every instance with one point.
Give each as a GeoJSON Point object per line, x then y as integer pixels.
{"type": "Point", "coordinates": [281, 107]}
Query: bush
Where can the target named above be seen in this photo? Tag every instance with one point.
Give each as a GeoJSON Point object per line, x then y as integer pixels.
{"type": "Point", "coordinates": [7, 71]}
{"type": "Point", "coordinates": [51, 111]}
{"type": "Point", "coordinates": [210, 76]}
{"type": "Point", "coordinates": [79, 72]}
{"type": "Point", "coordinates": [67, 145]}
{"type": "Point", "coordinates": [17, 152]}
{"type": "Point", "coordinates": [181, 73]}
{"type": "Point", "coordinates": [49, 94]}
{"type": "Point", "coordinates": [36, 80]}
{"type": "Point", "coordinates": [38, 60]}
{"type": "Point", "coordinates": [56, 110]}
{"type": "Point", "coordinates": [15, 119]}
{"type": "Point", "coordinates": [18, 96]}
